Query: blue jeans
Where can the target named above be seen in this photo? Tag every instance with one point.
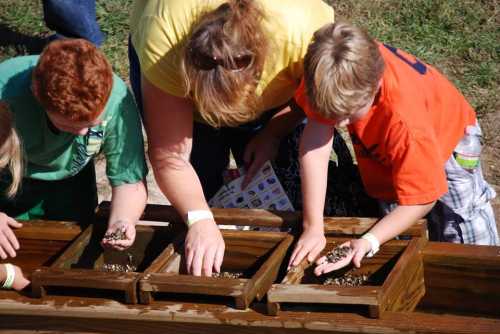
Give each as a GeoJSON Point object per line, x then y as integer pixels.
{"type": "Point", "coordinates": [75, 19]}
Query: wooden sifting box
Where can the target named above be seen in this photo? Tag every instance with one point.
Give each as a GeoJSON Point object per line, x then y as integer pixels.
{"type": "Point", "coordinates": [83, 269]}
{"type": "Point", "coordinates": [255, 255]}
{"type": "Point", "coordinates": [395, 283]}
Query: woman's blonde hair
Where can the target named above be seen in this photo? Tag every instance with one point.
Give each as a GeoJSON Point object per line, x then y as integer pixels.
{"type": "Point", "coordinates": [223, 61]}
{"type": "Point", "coordinates": [10, 149]}
{"type": "Point", "coordinates": [342, 69]}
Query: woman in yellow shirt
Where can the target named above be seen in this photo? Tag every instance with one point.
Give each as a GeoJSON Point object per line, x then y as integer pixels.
{"type": "Point", "coordinates": [211, 76]}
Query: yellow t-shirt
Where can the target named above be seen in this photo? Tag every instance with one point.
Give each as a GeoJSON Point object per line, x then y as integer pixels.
{"type": "Point", "coordinates": [160, 29]}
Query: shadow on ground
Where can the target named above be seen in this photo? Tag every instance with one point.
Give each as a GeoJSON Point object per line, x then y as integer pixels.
{"type": "Point", "coordinates": [21, 42]}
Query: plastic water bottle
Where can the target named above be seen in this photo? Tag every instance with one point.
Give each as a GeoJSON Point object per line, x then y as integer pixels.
{"type": "Point", "coordinates": [469, 148]}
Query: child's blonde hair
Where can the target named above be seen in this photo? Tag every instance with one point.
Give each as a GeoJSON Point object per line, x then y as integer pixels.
{"type": "Point", "coordinates": [10, 149]}
{"type": "Point", "coordinates": [342, 69]}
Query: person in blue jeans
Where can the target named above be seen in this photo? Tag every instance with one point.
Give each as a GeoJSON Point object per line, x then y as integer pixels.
{"type": "Point", "coordinates": [75, 19]}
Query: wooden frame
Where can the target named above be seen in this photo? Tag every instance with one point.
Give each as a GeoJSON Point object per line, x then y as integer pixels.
{"type": "Point", "coordinates": [463, 278]}
{"type": "Point", "coordinates": [244, 251]}
{"type": "Point", "coordinates": [79, 265]}
{"type": "Point", "coordinates": [42, 242]}
{"type": "Point", "coordinates": [452, 272]}
{"type": "Point", "coordinates": [400, 290]}
{"type": "Point", "coordinates": [334, 226]}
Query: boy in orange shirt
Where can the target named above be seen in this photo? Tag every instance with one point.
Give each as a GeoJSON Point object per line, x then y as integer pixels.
{"type": "Point", "coordinates": [405, 120]}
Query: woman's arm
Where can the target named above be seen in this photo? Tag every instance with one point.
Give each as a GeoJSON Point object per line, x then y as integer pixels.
{"type": "Point", "coordinates": [169, 126]}
{"type": "Point", "coordinates": [315, 150]}
{"type": "Point", "coordinates": [265, 144]}
{"type": "Point", "coordinates": [127, 205]}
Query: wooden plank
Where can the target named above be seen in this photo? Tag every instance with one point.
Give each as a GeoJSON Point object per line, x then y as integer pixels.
{"type": "Point", "coordinates": [267, 218]}
{"type": "Point", "coordinates": [404, 287]}
{"type": "Point", "coordinates": [48, 230]}
{"type": "Point", "coordinates": [80, 278]}
{"type": "Point", "coordinates": [463, 278]}
{"type": "Point", "coordinates": [87, 315]}
{"type": "Point", "coordinates": [170, 282]}
{"type": "Point", "coordinates": [267, 273]}
{"type": "Point", "coordinates": [74, 249]}
{"type": "Point", "coordinates": [323, 294]}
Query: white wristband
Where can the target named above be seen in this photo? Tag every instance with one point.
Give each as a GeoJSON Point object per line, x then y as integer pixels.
{"type": "Point", "coordinates": [11, 275]}
{"type": "Point", "coordinates": [197, 215]}
{"type": "Point", "coordinates": [375, 244]}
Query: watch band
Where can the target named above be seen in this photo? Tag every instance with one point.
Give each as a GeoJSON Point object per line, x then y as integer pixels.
{"type": "Point", "coordinates": [197, 215]}
{"type": "Point", "coordinates": [11, 275]}
{"type": "Point", "coordinates": [375, 244]}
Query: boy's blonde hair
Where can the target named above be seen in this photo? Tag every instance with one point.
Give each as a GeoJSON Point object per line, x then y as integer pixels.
{"type": "Point", "coordinates": [10, 149]}
{"type": "Point", "coordinates": [342, 69]}
{"type": "Point", "coordinates": [223, 62]}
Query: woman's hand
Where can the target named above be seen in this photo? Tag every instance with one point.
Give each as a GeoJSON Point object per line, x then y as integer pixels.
{"type": "Point", "coordinates": [120, 235]}
{"type": "Point", "coordinates": [359, 248]}
{"type": "Point", "coordinates": [311, 243]}
{"type": "Point", "coordinates": [8, 241]}
{"type": "Point", "coordinates": [263, 147]}
{"type": "Point", "coordinates": [204, 248]}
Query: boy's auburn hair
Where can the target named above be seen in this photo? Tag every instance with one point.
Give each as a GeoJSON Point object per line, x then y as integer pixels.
{"type": "Point", "coordinates": [10, 149]}
{"type": "Point", "coordinates": [342, 69]}
{"type": "Point", "coordinates": [73, 79]}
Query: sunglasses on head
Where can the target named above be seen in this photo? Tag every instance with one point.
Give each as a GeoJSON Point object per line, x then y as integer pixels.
{"type": "Point", "coordinates": [206, 62]}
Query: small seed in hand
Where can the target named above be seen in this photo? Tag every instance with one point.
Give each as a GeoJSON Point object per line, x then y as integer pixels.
{"type": "Point", "coordinates": [118, 234]}
{"type": "Point", "coordinates": [337, 254]}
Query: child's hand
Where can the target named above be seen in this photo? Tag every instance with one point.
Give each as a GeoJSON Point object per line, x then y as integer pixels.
{"type": "Point", "coordinates": [8, 241]}
{"type": "Point", "coordinates": [20, 282]}
{"type": "Point", "coordinates": [120, 235]}
{"type": "Point", "coordinates": [310, 244]}
{"type": "Point", "coordinates": [359, 248]}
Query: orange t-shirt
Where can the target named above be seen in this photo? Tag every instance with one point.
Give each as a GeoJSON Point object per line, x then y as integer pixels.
{"type": "Point", "coordinates": [405, 139]}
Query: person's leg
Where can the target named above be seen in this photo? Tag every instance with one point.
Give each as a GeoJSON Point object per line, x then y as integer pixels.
{"type": "Point", "coordinates": [345, 195]}
{"type": "Point", "coordinates": [75, 19]}
{"type": "Point", "coordinates": [71, 199]}
{"type": "Point", "coordinates": [74, 198]}
{"type": "Point", "coordinates": [135, 76]}
{"type": "Point", "coordinates": [469, 197]}
{"type": "Point", "coordinates": [209, 156]}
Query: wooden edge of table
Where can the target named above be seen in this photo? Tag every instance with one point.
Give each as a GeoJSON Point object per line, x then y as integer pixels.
{"type": "Point", "coordinates": [267, 218]}
{"type": "Point", "coordinates": [323, 294]}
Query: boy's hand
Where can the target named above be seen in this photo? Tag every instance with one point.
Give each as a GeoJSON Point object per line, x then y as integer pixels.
{"type": "Point", "coordinates": [8, 241]}
{"type": "Point", "coordinates": [359, 248]}
{"type": "Point", "coordinates": [120, 235]}
{"type": "Point", "coordinates": [204, 248]}
{"type": "Point", "coordinates": [20, 282]}
{"type": "Point", "coordinates": [310, 244]}
{"type": "Point", "coordinates": [261, 148]}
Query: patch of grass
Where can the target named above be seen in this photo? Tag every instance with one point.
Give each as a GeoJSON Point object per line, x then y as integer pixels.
{"type": "Point", "coordinates": [460, 37]}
